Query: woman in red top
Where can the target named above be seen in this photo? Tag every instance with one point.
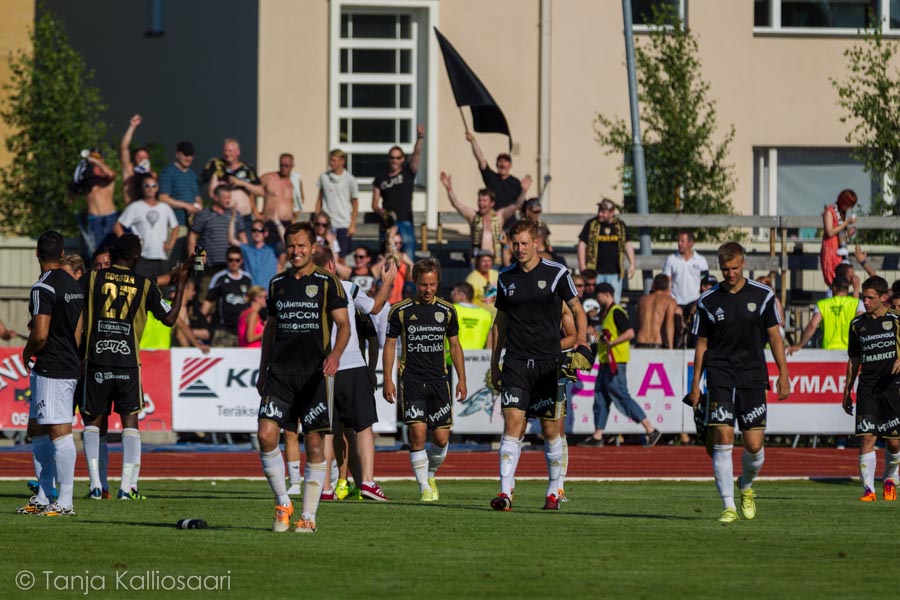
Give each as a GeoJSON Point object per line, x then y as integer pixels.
{"type": "Point", "coordinates": [837, 228]}
{"type": "Point", "coordinates": [250, 325]}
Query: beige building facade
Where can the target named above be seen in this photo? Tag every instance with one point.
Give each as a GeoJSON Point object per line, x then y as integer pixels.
{"type": "Point", "coordinates": [360, 74]}
{"type": "Point", "coordinates": [771, 82]}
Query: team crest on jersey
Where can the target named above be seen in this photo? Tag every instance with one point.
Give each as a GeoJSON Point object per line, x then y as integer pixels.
{"type": "Point", "coordinates": [312, 290]}
{"type": "Point", "coordinates": [751, 306]}
{"type": "Point", "coordinates": [887, 325]}
{"type": "Point", "coordinates": [439, 317]}
{"type": "Point", "coordinates": [542, 284]}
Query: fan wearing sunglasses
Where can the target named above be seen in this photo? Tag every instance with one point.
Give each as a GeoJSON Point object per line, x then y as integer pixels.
{"type": "Point", "coordinates": [155, 223]}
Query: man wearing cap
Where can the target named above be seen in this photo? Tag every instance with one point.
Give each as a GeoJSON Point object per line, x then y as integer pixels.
{"type": "Point", "coordinates": [486, 223]}
{"type": "Point", "coordinates": [178, 187]}
{"type": "Point", "coordinates": [603, 244]}
{"type": "Point", "coordinates": [611, 387]}
{"type": "Point", "coordinates": [483, 280]}
{"type": "Point", "coordinates": [506, 188]}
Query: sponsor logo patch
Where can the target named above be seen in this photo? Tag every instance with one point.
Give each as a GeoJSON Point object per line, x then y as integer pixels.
{"type": "Point", "coordinates": [114, 346]}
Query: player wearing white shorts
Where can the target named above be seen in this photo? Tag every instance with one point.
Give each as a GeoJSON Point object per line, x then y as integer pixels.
{"type": "Point", "coordinates": [55, 305]}
{"type": "Point", "coordinates": [354, 402]}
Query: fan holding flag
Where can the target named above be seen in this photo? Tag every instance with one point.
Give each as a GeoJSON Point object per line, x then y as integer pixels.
{"type": "Point", "coordinates": [486, 118]}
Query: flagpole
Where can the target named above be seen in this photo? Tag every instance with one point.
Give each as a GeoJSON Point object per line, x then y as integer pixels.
{"type": "Point", "coordinates": [462, 115]}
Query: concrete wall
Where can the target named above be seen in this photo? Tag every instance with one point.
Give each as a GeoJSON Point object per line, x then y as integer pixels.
{"type": "Point", "coordinates": [197, 81]}
{"type": "Point", "coordinates": [293, 87]}
{"type": "Point", "coordinates": [18, 18]}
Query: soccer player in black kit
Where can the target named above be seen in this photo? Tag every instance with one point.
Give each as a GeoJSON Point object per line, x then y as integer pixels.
{"type": "Point", "coordinates": [296, 366]}
{"type": "Point", "coordinates": [51, 352]}
{"type": "Point", "coordinates": [530, 293]}
{"type": "Point", "coordinates": [117, 301]}
{"type": "Point", "coordinates": [422, 324]}
{"type": "Point", "coordinates": [734, 321]}
{"type": "Point", "coordinates": [874, 357]}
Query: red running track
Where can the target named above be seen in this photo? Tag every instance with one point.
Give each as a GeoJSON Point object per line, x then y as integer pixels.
{"type": "Point", "coordinates": [610, 462]}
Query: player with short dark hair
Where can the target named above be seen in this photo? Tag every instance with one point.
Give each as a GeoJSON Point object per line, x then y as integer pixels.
{"type": "Point", "coordinates": [354, 403]}
{"type": "Point", "coordinates": [874, 357]}
{"type": "Point", "coordinates": [51, 353]}
{"type": "Point", "coordinates": [422, 324]}
{"type": "Point", "coordinates": [530, 294]}
{"type": "Point", "coordinates": [734, 321]}
{"type": "Point", "coordinates": [296, 369]}
{"type": "Point", "coordinates": [116, 303]}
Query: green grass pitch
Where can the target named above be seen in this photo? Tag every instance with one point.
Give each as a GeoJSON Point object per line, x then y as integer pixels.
{"type": "Point", "coordinates": [612, 540]}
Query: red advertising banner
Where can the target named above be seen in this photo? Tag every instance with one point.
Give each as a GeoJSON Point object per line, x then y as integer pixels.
{"type": "Point", "coordinates": [156, 379]}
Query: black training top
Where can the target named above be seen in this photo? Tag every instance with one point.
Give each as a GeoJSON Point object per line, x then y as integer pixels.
{"type": "Point", "coordinates": [423, 327]}
{"type": "Point", "coordinates": [303, 325]}
{"type": "Point", "coordinates": [230, 297]}
{"type": "Point", "coordinates": [736, 328]}
{"type": "Point", "coordinates": [532, 303]}
{"type": "Point", "coordinates": [874, 341]}
{"type": "Point", "coordinates": [58, 295]}
{"type": "Point", "coordinates": [117, 304]}
{"type": "Point", "coordinates": [397, 192]}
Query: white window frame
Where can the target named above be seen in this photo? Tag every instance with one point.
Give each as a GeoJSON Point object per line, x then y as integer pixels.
{"type": "Point", "coordinates": [644, 27]}
{"type": "Point", "coordinates": [777, 29]}
{"type": "Point", "coordinates": [426, 15]}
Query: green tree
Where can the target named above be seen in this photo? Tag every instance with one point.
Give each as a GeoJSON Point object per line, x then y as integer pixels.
{"type": "Point", "coordinates": [870, 95]}
{"type": "Point", "coordinates": [53, 113]}
{"type": "Point", "coordinates": [687, 168]}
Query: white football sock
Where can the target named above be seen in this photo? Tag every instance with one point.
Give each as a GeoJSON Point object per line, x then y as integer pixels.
{"type": "Point", "coordinates": [294, 472]}
{"type": "Point", "coordinates": [273, 467]}
{"type": "Point", "coordinates": [724, 472]}
{"type": "Point", "coordinates": [751, 465]}
{"type": "Point", "coordinates": [553, 450]}
{"type": "Point", "coordinates": [419, 462]}
{"type": "Point", "coordinates": [64, 456]}
{"type": "Point", "coordinates": [335, 471]}
{"type": "Point", "coordinates": [509, 458]}
{"type": "Point", "coordinates": [867, 470]}
{"type": "Point", "coordinates": [313, 481]}
{"type": "Point", "coordinates": [91, 440]}
{"type": "Point", "coordinates": [564, 463]}
{"type": "Point", "coordinates": [104, 463]}
{"type": "Point", "coordinates": [131, 456]}
{"type": "Point", "coordinates": [42, 452]}
{"type": "Point", "coordinates": [891, 464]}
{"type": "Point", "coordinates": [436, 456]}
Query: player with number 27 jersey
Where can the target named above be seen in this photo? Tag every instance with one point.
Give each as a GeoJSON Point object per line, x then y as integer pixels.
{"type": "Point", "coordinates": [117, 302]}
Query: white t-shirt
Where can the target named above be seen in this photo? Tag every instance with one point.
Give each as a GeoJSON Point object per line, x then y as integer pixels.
{"type": "Point", "coordinates": [337, 191]}
{"type": "Point", "coordinates": [685, 276]}
{"type": "Point", "coordinates": [152, 224]}
{"type": "Point", "coordinates": [352, 357]}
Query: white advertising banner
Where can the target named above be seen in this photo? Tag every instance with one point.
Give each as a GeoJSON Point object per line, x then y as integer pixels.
{"type": "Point", "coordinates": [217, 392]}
{"type": "Point", "coordinates": [480, 411]}
{"type": "Point", "coordinates": [654, 379]}
{"type": "Point", "coordinates": [659, 379]}
{"type": "Point", "coordinates": [655, 383]}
